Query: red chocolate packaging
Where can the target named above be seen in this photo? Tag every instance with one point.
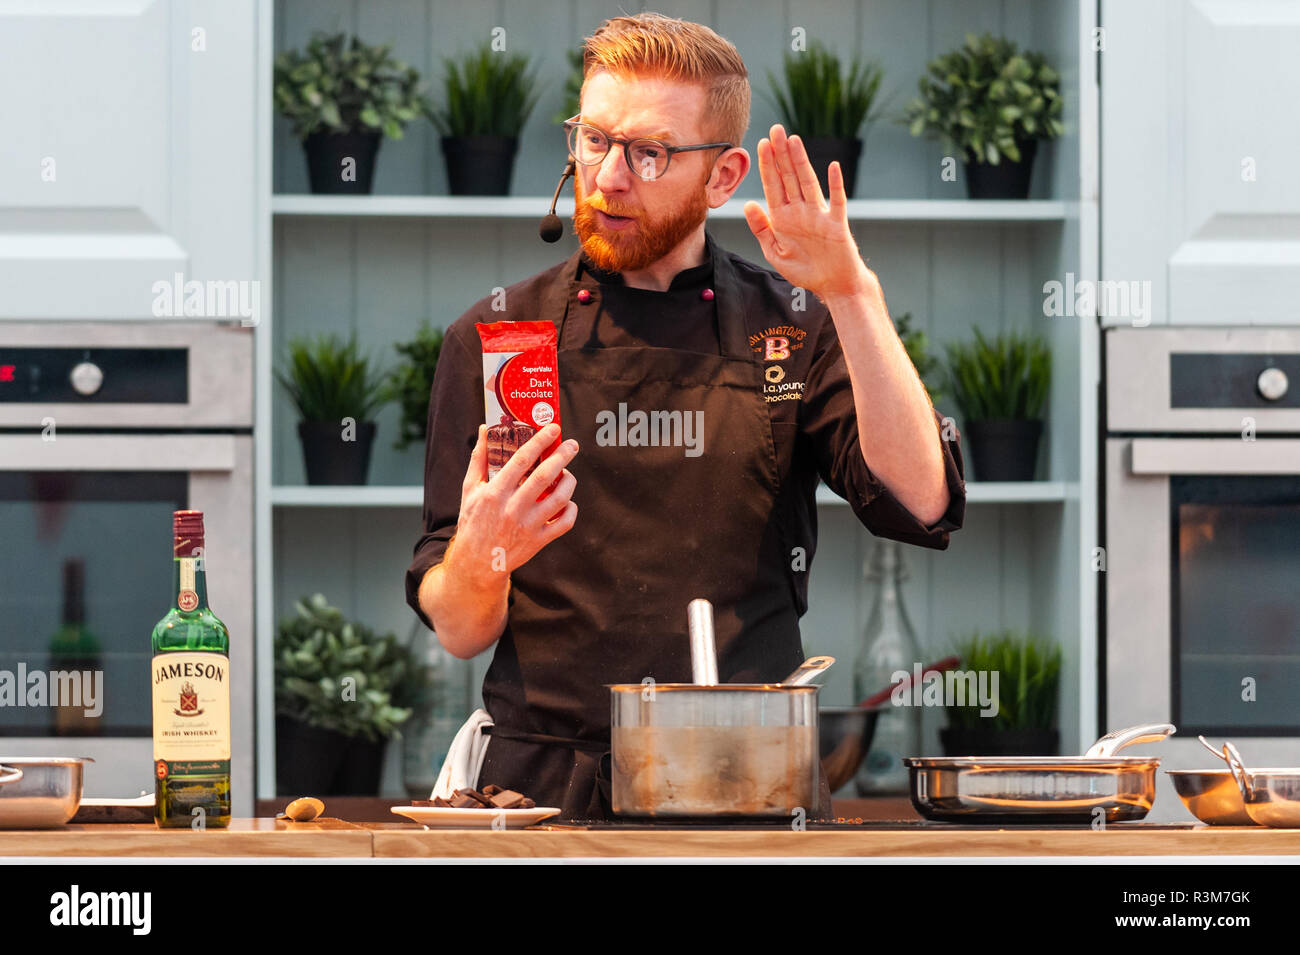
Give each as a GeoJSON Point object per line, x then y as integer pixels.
{"type": "Point", "coordinates": [521, 386]}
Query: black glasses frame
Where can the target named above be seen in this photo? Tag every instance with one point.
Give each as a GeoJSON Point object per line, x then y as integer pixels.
{"type": "Point", "coordinates": [572, 123]}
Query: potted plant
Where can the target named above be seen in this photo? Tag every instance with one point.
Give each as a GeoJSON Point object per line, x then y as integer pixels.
{"type": "Point", "coordinates": [827, 107]}
{"type": "Point", "coordinates": [341, 692]}
{"type": "Point", "coordinates": [1000, 387]}
{"type": "Point", "coordinates": [336, 391]}
{"type": "Point", "coordinates": [991, 104]}
{"type": "Point", "coordinates": [411, 383]}
{"type": "Point", "coordinates": [488, 97]}
{"type": "Point", "coordinates": [917, 345]}
{"type": "Point", "coordinates": [342, 98]}
{"type": "Point", "coordinates": [1029, 676]}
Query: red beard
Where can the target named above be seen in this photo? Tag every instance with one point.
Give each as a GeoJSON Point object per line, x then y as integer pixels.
{"type": "Point", "coordinates": [637, 246]}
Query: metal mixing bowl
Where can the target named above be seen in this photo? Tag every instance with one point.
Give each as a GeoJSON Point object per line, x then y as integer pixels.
{"type": "Point", "coordinates": [844, 736]}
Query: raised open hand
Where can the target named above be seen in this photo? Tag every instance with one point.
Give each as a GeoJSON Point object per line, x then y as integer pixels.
{"type": "Point", "coordinates": [802, 237]}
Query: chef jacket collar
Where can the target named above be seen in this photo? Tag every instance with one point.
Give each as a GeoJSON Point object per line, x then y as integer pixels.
{"type": "Point", "coordinates": [734, 299]}
{"type": "Point", "coordinates": [697, 276]}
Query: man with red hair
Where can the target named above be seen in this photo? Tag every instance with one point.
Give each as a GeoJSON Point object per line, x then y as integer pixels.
{"type": "Point", "coordinates": [655, 318]}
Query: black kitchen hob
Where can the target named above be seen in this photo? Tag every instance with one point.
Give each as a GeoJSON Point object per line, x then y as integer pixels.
{"type": "Point", "coordinates": [775, 824]}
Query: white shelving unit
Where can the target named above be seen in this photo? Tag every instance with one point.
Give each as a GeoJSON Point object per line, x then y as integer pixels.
{"type": "Point", "coordinates": [987, 492]}
{"type": "Point", "coordinates": [523, 207]}
{"type": "Point", "coordinates": [379, 264]}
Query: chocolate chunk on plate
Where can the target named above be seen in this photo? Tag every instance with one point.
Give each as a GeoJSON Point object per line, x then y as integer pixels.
{"type": "Point", "coordinates": [507, 799]}
{"type": "Point", "coordinates": [486, 801]}
{"type": "Point", "coordinates": [461, 800]}
{"type": "Point", "coordinates": [491, 789]}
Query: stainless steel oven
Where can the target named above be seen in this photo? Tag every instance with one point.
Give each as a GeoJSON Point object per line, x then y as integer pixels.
{"type": "Point", "coordinates": [105, 430]}
{"type": "Point", "coordinates": [1202, 547]}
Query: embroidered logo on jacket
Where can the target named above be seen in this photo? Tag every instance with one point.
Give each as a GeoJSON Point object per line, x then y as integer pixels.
{"type": "Point", "coordinates": [778, 342]}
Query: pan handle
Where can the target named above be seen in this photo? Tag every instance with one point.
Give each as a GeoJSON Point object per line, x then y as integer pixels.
{"type": "Point", "coordinates": [10, 774]}
{"type": "Point", "coordinates": [1239, 772]}
{"type": "Point", "coordinates": [1112, 743]}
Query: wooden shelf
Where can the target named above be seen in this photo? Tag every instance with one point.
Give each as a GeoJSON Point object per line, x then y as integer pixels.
{"type": "Point", "coordinates": [534, 207]}
{"type": "Point", "coordinates": [988, 492]}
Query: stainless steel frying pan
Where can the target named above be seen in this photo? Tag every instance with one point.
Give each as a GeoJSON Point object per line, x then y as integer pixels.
{"type": "Point", "coordinates": [1041, 789]}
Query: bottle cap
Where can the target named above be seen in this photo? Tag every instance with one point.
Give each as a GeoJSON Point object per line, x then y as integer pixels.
{"type": "Point", "coordinates": [187, 533]}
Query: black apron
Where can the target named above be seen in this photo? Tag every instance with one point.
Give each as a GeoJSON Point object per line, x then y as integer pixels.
{"type": "Point", "coordinates": [656, 527]}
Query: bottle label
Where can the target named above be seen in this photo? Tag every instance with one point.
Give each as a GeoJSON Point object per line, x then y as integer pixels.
{"type": "Point", "coordinates": [191, 712]}
{"type": "Point", "coordinates": [187, 599]}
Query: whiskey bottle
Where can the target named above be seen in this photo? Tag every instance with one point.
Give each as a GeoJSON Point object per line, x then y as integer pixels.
{"type": "Point", "coordinates": [191, 694]}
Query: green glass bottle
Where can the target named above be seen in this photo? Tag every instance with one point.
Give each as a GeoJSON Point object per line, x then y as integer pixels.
{"type": "Point", "coordinates": [75, 649]}
{"type": "Point", "coordinates": [191, 695]}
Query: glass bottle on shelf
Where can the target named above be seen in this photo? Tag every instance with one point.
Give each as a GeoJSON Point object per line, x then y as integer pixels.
{"type": "Point", "coordinates": [74, 648]}
{"type": "Point", "coordinates": [888, 646]}
{"type": "Point", "coordinates": [442, 708]}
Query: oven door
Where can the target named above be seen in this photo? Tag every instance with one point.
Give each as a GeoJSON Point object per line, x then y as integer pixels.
{"type": "Point", "coordinates": [1203, 596]}
{"type": "Point", "coordinates": [104, 503]}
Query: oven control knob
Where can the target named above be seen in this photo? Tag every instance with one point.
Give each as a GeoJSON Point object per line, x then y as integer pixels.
{"type": "Point", "coordinates": [1272, 383]}
{"type": "Point", "coordinates": [86, 378]}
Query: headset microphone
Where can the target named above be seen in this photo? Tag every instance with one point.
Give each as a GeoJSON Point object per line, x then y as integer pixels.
{"type": "Point", "coordinates": [552, 228]}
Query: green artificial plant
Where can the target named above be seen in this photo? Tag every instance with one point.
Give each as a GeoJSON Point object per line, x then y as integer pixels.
{"type": "Point", "coordinates": [985, 98]}
{"type": "Point", "coordinates": [1029, 676]}
{"type": "Point", "coordinates": [485, 93]}
{"type": "Point", "coordinates": [1005, 378]}
{"type": "Point", "coordinates": [328, 379]}
{"type": "Point", "coordinates": [342, 85]}
{"type": "Point", "coordinates": [338, 675]}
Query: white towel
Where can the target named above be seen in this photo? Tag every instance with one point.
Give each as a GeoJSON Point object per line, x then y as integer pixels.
{"type": "Point", "coordinates": [464, 762]}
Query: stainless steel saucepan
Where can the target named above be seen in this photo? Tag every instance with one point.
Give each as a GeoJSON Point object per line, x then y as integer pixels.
{"type": "Point", "coordinates": [1271, 796]}
{"type": "Point", "coordinates": [715, 749]}
{"type": "Point", "coordinates": [1211, 795]}
{"type": "Point", "coordinates": [1041, 789]}
{"type": "Point", "coordinates": [45, 793]}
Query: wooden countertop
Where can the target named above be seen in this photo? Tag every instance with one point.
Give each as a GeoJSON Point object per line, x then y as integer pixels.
{"type": "Point", "coordinates": [935, 840]}
{"type": "Point", "coordinates": [245, 837]}
{"type": "Point", "coordinates": [339, 839]}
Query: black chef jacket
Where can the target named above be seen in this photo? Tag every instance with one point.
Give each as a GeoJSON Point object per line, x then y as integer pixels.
{"type": "Point", "coordinates": [762, 360]}
{"type": "Point", "coordinates": [814, 428]}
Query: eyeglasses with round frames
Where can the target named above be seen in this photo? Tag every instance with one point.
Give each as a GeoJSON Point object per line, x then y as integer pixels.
{"type": "Point", "coordinates": [647, 158]}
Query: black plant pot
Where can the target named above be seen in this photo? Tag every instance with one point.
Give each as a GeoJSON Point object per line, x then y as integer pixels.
{"type": "Point", "coordinates": [1006, 180]}
{"type": "Point", "coordinates": [479, 165]}
{"type": "Point", "coordinates": [823, 150]}
{"type": "Point", "coordinates": [331, 460]}
{"type": "Point", "coordinates": [977, 741]}
{"type": "Point", "coordinates": [1004, 449]}
{"type": "Point", "coordinates": [326, 153]}
{"type": "Point", "coordinates": [313, 761]}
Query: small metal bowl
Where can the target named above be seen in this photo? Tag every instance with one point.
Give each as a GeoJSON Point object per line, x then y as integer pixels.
{"type": "Point", "coordinates": [844, 737]}
{"type": "Point", "coordinates": [46, 796]}
{"type": "Point", "coordinates": [1211, 795]}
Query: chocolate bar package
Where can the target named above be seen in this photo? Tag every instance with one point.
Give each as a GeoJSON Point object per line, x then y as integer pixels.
{"type": "Point", "coordinates": [521, 386]}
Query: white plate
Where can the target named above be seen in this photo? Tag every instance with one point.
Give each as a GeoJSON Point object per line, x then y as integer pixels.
{"type": "Point", "coordinates": [439, 817]}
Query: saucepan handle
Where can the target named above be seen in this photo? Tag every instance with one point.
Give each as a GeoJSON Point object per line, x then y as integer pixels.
{"type": "Point", "coordinates": [1238, 771]}
{"type": "Point", "coordinates": [1112, 743]}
